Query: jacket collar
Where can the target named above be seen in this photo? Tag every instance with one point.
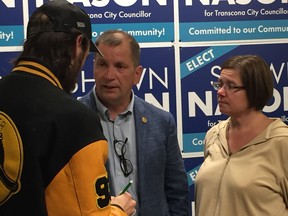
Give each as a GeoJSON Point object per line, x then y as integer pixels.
{"type": "Point", "coordinates": [38, 69]}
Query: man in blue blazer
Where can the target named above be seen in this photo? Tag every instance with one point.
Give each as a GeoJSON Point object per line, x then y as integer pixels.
{"type": "Point", "coordinates": [143, 143]}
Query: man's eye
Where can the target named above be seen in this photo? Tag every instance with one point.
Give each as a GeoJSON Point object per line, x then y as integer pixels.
{"type": "Point", "coordinates": [100, 64]}
{"type": "Point", "coordinates": [120, 66]}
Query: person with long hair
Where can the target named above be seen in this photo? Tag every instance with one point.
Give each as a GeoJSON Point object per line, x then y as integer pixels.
{"type": "Point", "coordinates": [53, 151]}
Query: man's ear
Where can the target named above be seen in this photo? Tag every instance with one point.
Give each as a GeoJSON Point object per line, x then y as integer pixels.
{"type": "Point", "coordinates": [77, 50]}
{"type": "Point", "coordinates": [138, 73]}
{"type": "Point", "coordinates": [78, 46]}
{"type": "Point", "coordinates": [79, 41]}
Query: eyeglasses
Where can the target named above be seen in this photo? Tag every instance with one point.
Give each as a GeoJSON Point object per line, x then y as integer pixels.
{"type": "Point", "coordinates": [120, 149]}
{"type": "Point", "coordinates": [229, 87]}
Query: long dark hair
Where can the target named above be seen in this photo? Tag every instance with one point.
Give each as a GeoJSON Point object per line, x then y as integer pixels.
{"type": "Point", "coordinates": [56, 49]}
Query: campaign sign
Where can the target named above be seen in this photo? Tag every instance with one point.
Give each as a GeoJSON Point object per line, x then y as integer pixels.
{"type": "Point", "coordinates": [7, 62]}
{"type": "Point", "coordinates": [147, 21]}
{"type": "Point", "coordinates": [85, 81]}
{"type": "Point", "coordinates": [192, 165]}
{"type": "Point", "coordinates": [200, 65]}
{"type": "Point", "coordinates": [157, 83]}
{"type": "Point", "coordinates": [11, 24]}
{"type": "Point", "coordinates": [232, 20]}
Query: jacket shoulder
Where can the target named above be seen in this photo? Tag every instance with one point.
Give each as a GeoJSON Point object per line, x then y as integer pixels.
{"type": "Point", "coordinates": [150, 109]}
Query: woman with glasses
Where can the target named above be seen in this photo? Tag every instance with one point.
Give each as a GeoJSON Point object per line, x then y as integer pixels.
{"type": "Point", "coordinates": [245, 166]}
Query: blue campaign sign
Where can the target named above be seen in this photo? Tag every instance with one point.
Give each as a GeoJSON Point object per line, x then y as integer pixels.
{"type": "Point", "coordinates": [128, 11]}
{"type": "Point", "coordinates": [232, 20]}
{"type": "Point", "coordinates": [7, 62]}
{"type": "Point", "coordinates": [85, 80]}
{"type": "Point", "coordinates": [147, 21]}
{"type": "Point", "coordinates": [144, 32]}
{"type": "Point", "coordinates": [11, 23]}
{"type": "Point", "coordinates": [201, 65]}
{"type": "Point", "coordinates": [192, 166]}
{"type": "Point", "coordinates": [11, 13]}
{"type": "Point", "coordinates": [157, 84]}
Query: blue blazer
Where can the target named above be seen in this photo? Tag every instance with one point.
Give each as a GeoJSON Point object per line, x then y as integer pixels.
{"type": "Point", "coordinates": [162, 180]}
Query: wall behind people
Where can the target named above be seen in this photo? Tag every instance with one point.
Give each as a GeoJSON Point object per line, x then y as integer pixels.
{"type": "Point", "coordinates": [182, 44]}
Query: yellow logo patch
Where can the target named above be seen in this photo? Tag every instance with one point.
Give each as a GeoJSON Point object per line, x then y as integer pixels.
{"type": "Point", "coordinates": [11, 158]}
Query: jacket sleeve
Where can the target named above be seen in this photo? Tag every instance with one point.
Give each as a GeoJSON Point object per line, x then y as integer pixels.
{"type": "Point", "coordinates": [176, 181]}
{"type": "Point", "coordinates": [81, 187]}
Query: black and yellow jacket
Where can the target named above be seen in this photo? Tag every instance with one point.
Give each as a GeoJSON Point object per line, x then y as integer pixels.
{"type": "Point", "coordinates": [52, 149]}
